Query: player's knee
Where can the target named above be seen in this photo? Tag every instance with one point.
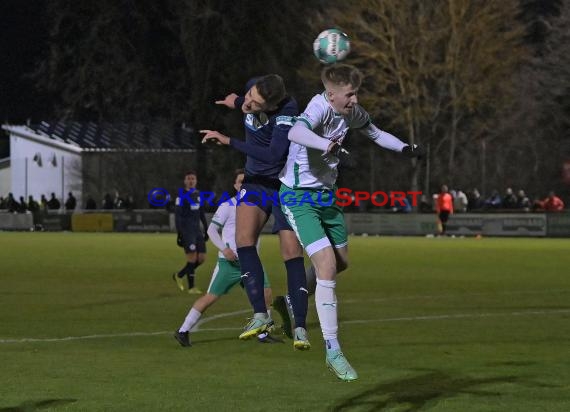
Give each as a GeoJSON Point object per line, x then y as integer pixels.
{"type": "Point", "coordinates": [341, 264]}
{"type": "Point", "coordinates": [291, 251]}
{"type": "Point", "coordinates": [245, 240]}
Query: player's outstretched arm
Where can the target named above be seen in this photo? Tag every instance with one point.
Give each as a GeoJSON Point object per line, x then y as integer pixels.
{"type": "Point", "coordinates": [384, 139]}
{"type": "Point", "coordinates": [391, 142]}
{"type": "Point", "coordinates": [278, 146]}
{"type": "Point", "coordinates": [229, 101]}
{"type": "Point", "coordinates": [304, 136]}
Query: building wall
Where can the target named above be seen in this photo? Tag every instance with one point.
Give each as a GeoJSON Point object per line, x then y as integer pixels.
{"type": "Point", "coordinates": [54, 170]}
{"type": "Point", "coordinates": [5, 178]}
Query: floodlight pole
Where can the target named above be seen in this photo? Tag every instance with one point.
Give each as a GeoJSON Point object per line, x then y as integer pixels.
{"type": "Point", "coordinates": [62, 182]}
{"type": "Point", "coordinates": [483, 168]}
{"type": "Point", "coordinates": [26, 178]}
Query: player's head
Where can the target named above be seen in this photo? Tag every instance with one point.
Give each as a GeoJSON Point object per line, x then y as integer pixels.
{"type": "Point", "coordinates": [341, 82]}
{"type": "Point", "coordinates": [238, 179]}
{"type": "Point", "coordinates": [265, 94]}
{"type": "Point", "coordinates": [190, 179]}
{"type": "Point", "coordinates": [444, 189]}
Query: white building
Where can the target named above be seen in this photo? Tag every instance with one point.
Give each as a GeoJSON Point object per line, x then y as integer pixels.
{"type": "Point", "coordinates": [42, 164]}
{"type": "Point", "coordinates": [83, 158]}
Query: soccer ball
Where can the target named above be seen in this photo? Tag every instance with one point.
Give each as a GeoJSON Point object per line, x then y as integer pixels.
{"type": "Point", "coordinates": [331, 46]}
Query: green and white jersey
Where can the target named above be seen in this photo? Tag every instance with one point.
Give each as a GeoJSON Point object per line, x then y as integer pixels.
{"type": "Point", "coordinates": [225, 218]}
{"type": "Point", "coordinates": [309, 168]}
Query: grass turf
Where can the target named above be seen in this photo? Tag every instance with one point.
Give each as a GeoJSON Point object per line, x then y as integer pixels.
{"type": "Point", "coordinates": [429, 324]}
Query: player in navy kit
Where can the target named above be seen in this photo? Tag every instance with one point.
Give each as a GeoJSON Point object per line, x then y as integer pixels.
{"type": "Point", "coordinates": [268, 115]}
{"type": "Point", "coordinates": [188, 216]}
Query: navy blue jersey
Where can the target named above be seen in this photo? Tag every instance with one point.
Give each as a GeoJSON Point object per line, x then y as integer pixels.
{"type": "Point", "coordinates": [189, 213]}
{"type": "Point", "coordinates": [266, 144]}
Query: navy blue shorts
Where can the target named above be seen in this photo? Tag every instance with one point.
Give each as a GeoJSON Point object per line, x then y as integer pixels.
{"type": "Point", "coordinates": [193, 242]}
{"type": "Point", "coordinates": [267, 199]}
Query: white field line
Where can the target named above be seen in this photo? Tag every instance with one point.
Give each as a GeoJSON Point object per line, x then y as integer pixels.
{"type": "Point", "coordinates": [361, 321]}
{"type": "Point", "coordinates": [462, 316]}
{"type": "Point", "coordinates": [129, 334]}
{"type": "Point", "coordinates": [460, 296]}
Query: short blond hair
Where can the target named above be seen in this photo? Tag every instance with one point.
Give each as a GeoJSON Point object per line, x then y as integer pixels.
{"type": "Point", "coordinates": [341, 75]}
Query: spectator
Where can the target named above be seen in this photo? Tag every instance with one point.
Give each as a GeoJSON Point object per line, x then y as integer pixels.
{"type": "Point", "coordinates": [22, 206]}
{"type": "Point", "coordinates": [118, 202]}
{"type": "Point", "coordinates": [129, 203]}
{"type": "Point", "coordinates": [400, 204]}
{"type": "Point", "coordinates": [53, 203]}
{"type": "Point", "coordinates": [509, 201]}
{"type": "Point", "coordinates": [90, 203]}
{"type": "Point", "coordinates": [71, 202]}
{"type": "Point", "coordinates": [474, 200]}
{"type": "Point", "coordinates": [425, 206]}
{"type": "Point", "coordinates": [43, 203]}
{"type": "Point", "coordinates": [2, 203]}
{"type": "Point", "coordinates": [494, 201]}
{"type": "Point", "coordinates": [11, 204]}
{"type": "Point", "coordinates": [460, 202]}
{"type": "Point", "coordinates": [523, 201]}
{"type": "Point", "coordinates": [33, 206]}
{"type": "Point", "coordinates": [552, 203]}
{"type": "Point", "coordinates": [108, 203]}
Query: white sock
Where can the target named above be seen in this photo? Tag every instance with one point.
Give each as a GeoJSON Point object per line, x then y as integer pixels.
{"type": "Point", "coordinates": [191, 319]}
{"type": "Point", "coordinates": [269, 313]}
{"type": "Point", "coordinates": [325, 301]}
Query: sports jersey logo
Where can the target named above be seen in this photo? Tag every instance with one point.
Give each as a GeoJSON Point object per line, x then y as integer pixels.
{"type": "Point", "coordinates": [256, 122]}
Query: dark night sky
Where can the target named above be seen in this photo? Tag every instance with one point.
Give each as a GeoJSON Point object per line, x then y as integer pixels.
{"type": "Point", "coordinates": [23, 43]}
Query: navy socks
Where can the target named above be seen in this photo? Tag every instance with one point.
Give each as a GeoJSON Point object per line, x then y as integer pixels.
{"type": "Point", "coordinates": [252, 277]}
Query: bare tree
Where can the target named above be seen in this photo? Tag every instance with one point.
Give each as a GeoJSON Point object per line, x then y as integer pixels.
{"type": "Point", "coordinates": [438, 71]}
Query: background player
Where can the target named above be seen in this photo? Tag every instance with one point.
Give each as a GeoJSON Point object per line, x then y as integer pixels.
{"type": "Point", "coordinates": [227, 272]}
{"type": "Point", "coordinates": [188, 215]}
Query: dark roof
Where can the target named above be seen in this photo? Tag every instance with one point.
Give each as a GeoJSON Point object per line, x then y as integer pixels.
{"type": "Point", "coordinates": [159, 136]}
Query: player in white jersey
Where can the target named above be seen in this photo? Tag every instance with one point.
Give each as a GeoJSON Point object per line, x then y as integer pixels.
{"type": "Point", "coordinates": [308, 190]}
{"type": "Point", "coordinates": [227, 272]}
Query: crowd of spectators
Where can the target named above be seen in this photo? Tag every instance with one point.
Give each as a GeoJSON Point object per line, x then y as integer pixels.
{"type": "Point", "coordinates": [31, 205]}
{"type": "Point", "coordinates": [472, 201]}
{"type": "Point", "coordinates": [469, 201]}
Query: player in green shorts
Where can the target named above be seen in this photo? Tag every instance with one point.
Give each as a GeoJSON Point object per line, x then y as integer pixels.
{"type": "Point", "coordinates": [227, 273]}
{"type": "Point", "coordinates": [308, 190]}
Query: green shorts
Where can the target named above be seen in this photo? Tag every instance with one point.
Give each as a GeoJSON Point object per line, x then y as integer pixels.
{"type": "Point", "coordinates": [226, 275]}
{"type": "Point", "coordinates": [315, 217]}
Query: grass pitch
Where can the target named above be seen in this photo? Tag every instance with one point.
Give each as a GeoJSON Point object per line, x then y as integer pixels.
{"type": "Point", "coordinates": [86, 324]}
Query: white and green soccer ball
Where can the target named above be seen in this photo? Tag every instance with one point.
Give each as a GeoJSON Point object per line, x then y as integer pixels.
{"type": "Point", "coordinates": [331, 46]}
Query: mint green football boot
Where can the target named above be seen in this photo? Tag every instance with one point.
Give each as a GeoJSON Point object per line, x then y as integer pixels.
{"type": "Point", "coordinates": [337, 363]}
